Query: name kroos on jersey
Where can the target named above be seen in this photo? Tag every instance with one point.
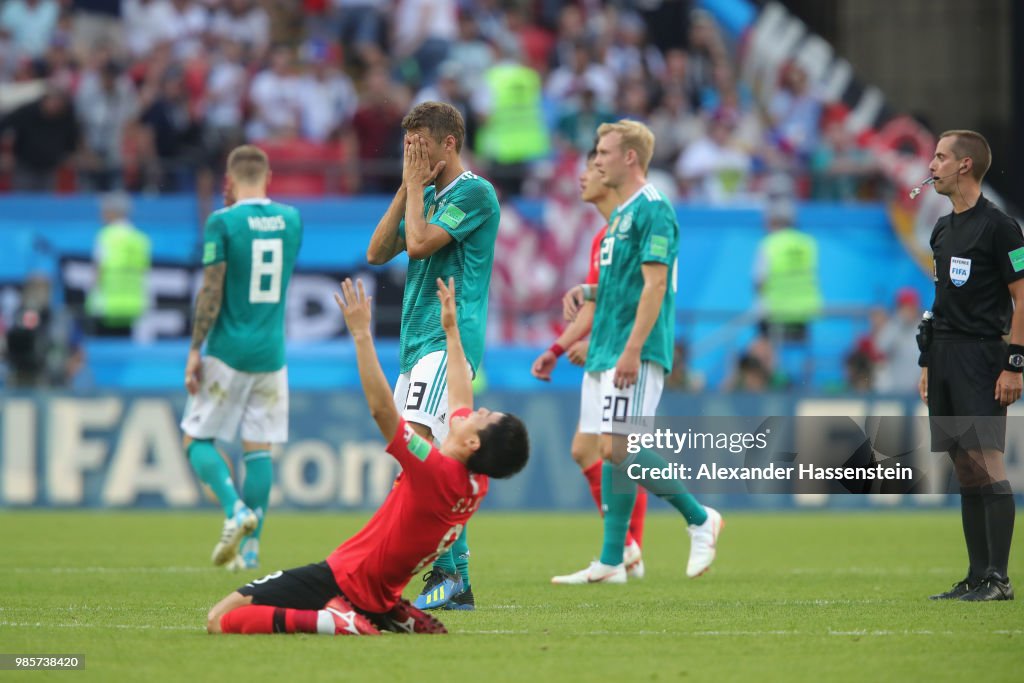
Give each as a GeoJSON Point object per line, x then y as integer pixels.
{"type": "Point", "coordinates": [266, 223]}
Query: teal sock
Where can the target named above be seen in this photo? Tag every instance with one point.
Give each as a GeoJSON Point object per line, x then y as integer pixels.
{"type": "Point", "coordinates": [618, 494]}
{"type": "Point", "coordinates": [672, 491]}
{"type": "Point", "coordinates": [446, 562]}
{"type": "Point", "coordinates": [259, 475]}
{"type": "Point", "coordinates": [213, 471]}
{"type": "Point", "coordinates": [461, 553]}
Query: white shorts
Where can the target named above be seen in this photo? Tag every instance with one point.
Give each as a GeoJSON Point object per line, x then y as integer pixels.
{"type": "Point", "coordinates": [421, 395]}
{"type": "Point", "coordinates": [228, 398]}
{"type": "Point", "coordinates": [604, 409]}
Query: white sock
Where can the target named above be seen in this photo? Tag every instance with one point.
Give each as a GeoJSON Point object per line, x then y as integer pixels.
{"type": "Point", "coordinates": [324, 623]}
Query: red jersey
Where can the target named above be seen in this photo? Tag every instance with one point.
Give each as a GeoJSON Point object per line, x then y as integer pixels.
{"type": "Point", "coordinates": [423, 515]}
{"type": "Point", "coordinates": [595, 256]}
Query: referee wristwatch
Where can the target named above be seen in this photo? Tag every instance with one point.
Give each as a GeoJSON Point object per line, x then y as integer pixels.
{"type": "Point", "coordinates": [1015, 358]}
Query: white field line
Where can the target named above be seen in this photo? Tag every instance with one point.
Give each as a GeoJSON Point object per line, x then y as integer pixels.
{"type": "Point", "coordinates": [127, 627]}
{"type": "Point", "coordinates": [798, 571]}
{"type": "Point", "coordinates": [749, 633]}
{"type": "Point", "coordinates": [108, 570]}
{"type": "Point", "coordinates": [870, 571]}
{"type": "Point", "coordinates": [712, 634]}
{"type": "Point", "coordinates": [82, 608]}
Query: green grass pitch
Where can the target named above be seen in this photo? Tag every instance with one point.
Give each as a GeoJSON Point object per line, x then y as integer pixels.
{"type": "Point", "coordinates": [794, 596]}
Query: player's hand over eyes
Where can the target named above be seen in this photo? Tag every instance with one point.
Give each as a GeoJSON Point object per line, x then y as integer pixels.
{"type": "Point", "coordinates": [446, 295]}
{"type": "Point", "coordinates": [416, 169]}
{"type": "Point", "coordinates": [355, 306]}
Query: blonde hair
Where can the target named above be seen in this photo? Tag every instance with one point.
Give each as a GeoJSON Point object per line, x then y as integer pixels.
{"type": "Point", "coordinates": [633, 135]}
{"type": "Point", "coordinates": [968, 143]}
{"type": "Point", "coordinates": [248, 164]}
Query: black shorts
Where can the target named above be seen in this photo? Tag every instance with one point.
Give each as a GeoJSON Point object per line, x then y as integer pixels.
{"type": "Point", "coordinates": [309, 587]}
{"type": "Point", "coordinates": [962, 407]}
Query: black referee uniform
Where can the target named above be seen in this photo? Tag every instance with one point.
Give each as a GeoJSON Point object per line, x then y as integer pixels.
{"type": "Point", "coordinates": [977, 254]}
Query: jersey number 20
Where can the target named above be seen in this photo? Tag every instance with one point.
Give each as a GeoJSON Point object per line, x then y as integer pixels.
{"type": "Point", "coordinates": [607, 246]}
{"type": "Point", "coordinates": [265, 280]}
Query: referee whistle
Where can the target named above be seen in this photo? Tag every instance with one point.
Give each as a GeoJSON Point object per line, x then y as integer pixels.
{"type": "Point", "coordinates": [916, 190]}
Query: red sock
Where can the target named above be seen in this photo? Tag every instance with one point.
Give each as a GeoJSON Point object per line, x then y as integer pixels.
{"type": "Point", "coordinates": [593, 475]}
{"type": "Point", "coordinates": [268, 619]}
{"type": "Point", "coordinates": [300, 620]}
{"type": "Point", "coordinates": [249, 619]}
{"type": "Point", "coordinates": [636, 521]}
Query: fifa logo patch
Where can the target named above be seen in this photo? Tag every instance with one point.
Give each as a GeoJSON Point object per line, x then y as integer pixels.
{"type": "Point", "coordinates": [959, 270]}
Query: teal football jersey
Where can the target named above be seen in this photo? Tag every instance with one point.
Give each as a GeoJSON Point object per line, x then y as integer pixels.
{"type": "Point", "coordinates": [643, 229]}
{"type": "Point", "coordinates": [259, 239]}
{"type": "Point", "coordinates": [468, 210]}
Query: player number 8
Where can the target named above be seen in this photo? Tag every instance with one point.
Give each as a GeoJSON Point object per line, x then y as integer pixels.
{"type": "Point", "coordinates": [262, 267]}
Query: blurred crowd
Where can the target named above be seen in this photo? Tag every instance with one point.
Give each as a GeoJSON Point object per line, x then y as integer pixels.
{"type": "Point", "coordinates": [148, 95]}
{"type": "Point", "coordinates": [882, 359]}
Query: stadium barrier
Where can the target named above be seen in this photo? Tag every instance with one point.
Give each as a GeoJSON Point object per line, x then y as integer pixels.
{"type": "Point", "coordinates": [542, 250]}
{"type": "Point", "coordinates": [124, 450]}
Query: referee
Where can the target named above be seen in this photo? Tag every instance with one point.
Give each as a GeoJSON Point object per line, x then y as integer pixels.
{"type": "Point", "coordinates": [968, 374]}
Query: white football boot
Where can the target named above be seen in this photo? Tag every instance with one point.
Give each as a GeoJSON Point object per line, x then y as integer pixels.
{"type": "Point", "coordinates": [703, 538]}
{"type": "Point", "coordinates": [243, 522]}
{"type": "Point", "coordinates": [595, 573]}
{"type": "Point", "coordinates": [633, 560]}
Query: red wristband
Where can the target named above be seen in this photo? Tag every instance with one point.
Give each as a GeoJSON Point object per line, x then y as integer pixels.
{"type": "Point", "coordinates": [556, 349]}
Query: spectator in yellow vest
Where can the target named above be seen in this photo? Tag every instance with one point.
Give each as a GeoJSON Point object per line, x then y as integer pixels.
{"type": "Point", "coordinates": [121, 255]}
{"type": "Point", "coordinates": [786, 276]}
{"type": "Point", "coordinates": [512, 131]}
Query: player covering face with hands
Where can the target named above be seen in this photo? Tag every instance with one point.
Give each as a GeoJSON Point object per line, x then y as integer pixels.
{"type": "Point", "coordinates": [446, 220]}
{"type": "Point", "coordinates": [357, 589]}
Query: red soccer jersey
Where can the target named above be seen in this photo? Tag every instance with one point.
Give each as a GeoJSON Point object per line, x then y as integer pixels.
{"type": "Point", "coordinates": [595, 256]}
{"type": "Point", "coordinates": [423, 515]}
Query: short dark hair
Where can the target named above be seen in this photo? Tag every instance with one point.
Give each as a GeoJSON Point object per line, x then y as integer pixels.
{"type": "Point", "coordinates": [592, 154]}
{"type": "Point", "coordinates": [969, 143]}
{"type": "Point", "coordinates": [504, 449]}
{"type": "Point", "coordinates": [440, 119]}
{"type": "Point", "coordinates": [248, 164]}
